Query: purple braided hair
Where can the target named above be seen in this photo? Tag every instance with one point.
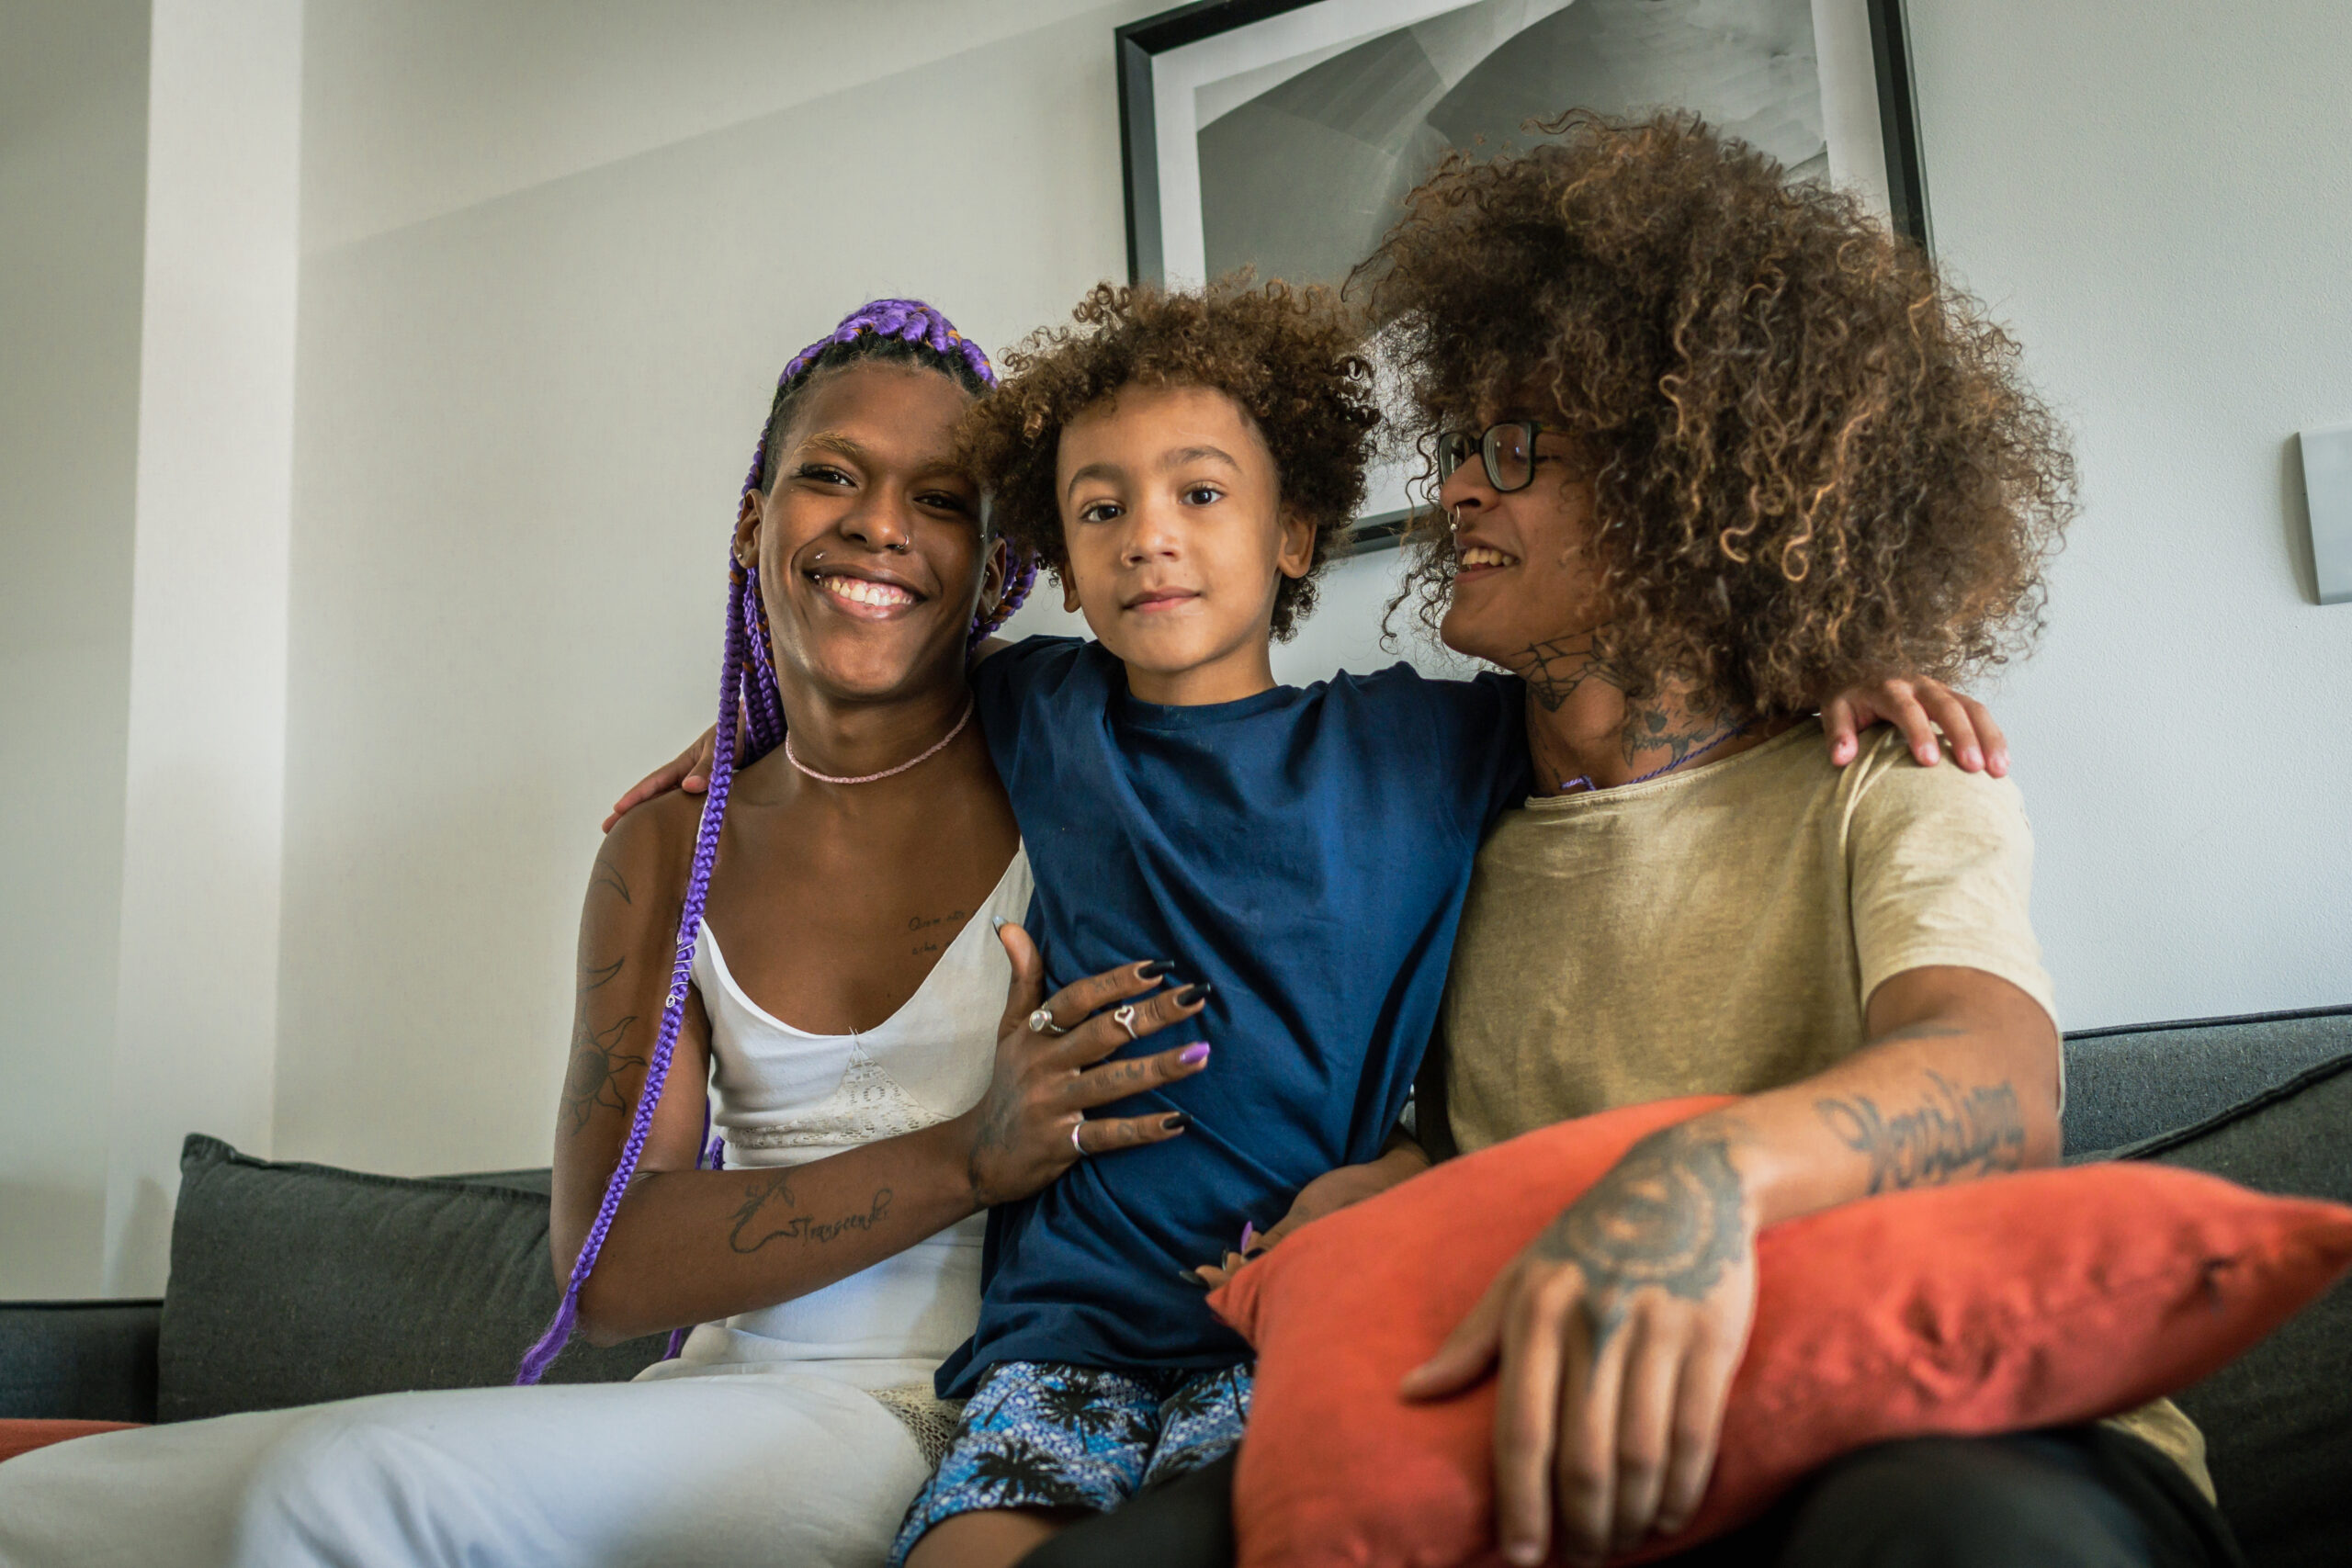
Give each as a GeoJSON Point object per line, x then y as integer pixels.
{"type": "Point", "coordinates": [750, 724]}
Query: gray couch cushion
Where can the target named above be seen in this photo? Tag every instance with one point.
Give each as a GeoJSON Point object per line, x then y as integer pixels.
{"type": "Point", "coordinates": [78, 1361]}
{"type": "Point", "coordinates": [2279, 1420]}
{"type": "Point", "coordinates": [2123, 1085]}
{"type": "Point", "coordinates": [295, 1283]}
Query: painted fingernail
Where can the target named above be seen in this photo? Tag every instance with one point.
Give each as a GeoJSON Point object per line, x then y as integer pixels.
{"type": "Point", "coordinates": [1249, 1234]}
{"type": "Point", "coordinates": [1193, 1056]}
{"type": "Point", "coordinates": [1193, 1279]}
{"type": "Point", "coordinates": [996, 924]}
{"type": "Point", "coordinates": [1175, 1121]}
{"type": "Point", "coordinates": [1153, 970]}
{"type": "Point", "coordinates": [1193, 993]}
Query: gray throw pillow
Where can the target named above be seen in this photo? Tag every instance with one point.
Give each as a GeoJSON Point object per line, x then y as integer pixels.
{"type": "Point", "coordinates": [2278, 1421]}
{"type": "Point", "coordinates": [295, 1283]}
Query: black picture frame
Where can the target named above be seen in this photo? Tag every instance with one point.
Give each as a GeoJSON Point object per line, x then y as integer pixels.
{"type": "Point", "coordinates": [1136, 45]}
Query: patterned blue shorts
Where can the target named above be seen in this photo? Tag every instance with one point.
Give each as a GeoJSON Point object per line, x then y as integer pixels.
{"type": "Point", "coordinates": [1042, 1435]}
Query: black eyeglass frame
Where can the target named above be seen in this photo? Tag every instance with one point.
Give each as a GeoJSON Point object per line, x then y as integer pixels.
{"type": "Point", "coordinates": [1489, 451]}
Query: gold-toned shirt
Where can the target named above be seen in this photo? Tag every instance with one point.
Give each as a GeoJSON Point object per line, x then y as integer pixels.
{"type": "Point", "coordinates": [1720, 930]}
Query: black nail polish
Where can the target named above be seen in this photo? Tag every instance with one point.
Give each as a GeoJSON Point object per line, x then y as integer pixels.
{"type": "Point", "coordinates": [1193, 1279]}
{"type": "Point", "coordinates": [1193, 993]}
{"type": "Point", "coordinates": [1175, 1121]}
{"type": "Point", "coordinates": [1153, 970]}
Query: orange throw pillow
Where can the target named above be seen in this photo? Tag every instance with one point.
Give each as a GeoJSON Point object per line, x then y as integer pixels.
{"type": "Point", "coordinates": [2034, 1300]}
{"type": "Point", "coordinates": [22, 1437]}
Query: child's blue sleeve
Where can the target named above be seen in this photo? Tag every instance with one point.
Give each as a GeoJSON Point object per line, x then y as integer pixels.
{"type": "Point", "coordinates": [1019, 680]}
{"type": "Point", "coordinates": [1464, 741]}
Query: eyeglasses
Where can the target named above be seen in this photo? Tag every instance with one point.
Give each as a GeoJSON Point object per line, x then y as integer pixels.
{"type": "Point", "coordinates": [1508, 450]}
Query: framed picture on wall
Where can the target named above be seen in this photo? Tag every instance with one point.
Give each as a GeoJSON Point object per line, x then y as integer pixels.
{"type": "Point", "coordinates": [1282, 134]}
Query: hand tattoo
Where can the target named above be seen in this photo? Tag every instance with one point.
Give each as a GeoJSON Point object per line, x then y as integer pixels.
{"type": "Point", "coordinates": [777, 1187]}
{"type": "Point", "coordinates": [1952, 1132]}
{"type": "Point", "coordinates": [1671, 1214]}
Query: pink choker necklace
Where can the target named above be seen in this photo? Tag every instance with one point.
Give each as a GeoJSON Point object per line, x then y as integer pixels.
{"type": "Point", "coordinates": [886, 773]}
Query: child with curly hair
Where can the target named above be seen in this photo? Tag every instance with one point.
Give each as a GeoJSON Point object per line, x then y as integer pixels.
{"type": "Point", "coordinates": [1297, 859]}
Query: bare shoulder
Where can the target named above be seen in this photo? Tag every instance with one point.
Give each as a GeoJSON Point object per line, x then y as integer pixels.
{"type": "Point", "coordinates": [643, 861]}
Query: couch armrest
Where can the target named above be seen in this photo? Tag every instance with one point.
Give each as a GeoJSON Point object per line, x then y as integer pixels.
{"type": "Point", "coordinates": [78, 1361]}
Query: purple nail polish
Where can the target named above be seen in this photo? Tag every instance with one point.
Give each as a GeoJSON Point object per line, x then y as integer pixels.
{"type": "Point", "coordinates": [1193, 1056]}
{"type": "Point", "coordinates": [1249, 1234]}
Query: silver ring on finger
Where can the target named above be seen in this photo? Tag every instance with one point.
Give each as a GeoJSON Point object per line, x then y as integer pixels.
{"type": "Point", "coordinates": [1075, 1128]}
{"type": "Point", "coordinates": [1042, 1022]}
{"type": "Point", "coordinates": [1125, 1018]}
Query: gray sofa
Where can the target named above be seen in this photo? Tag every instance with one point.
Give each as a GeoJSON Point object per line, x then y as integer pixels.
{"type": "Point", "coordinates": [293, 1283]}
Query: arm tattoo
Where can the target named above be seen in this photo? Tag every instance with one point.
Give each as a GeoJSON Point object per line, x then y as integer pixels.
{"type": "Point", "coordinates": [598, 1060]}
{"type": "Point", "coordinates": [777, 1187]}
{"type": "Point", "coordinates": [595, 1079]}
{"type": "Point", "coordinates": [1554, 670]}
{"type": "Point", "coordinates": [609, 879]}
{"type": "Point", "coordinates": [1671, 1214]}
{"type": "Point", "coordinates": [1952, 1132]}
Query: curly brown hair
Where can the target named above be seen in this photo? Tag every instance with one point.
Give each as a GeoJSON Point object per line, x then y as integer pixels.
{"type": "Point", "coordinates": [1814, 464]}
{"type": "Point", "coordinates": [1291, 358]}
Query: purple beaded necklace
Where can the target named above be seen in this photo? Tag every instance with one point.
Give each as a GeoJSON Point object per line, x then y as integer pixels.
{"type": "Point", "coordinates": [1584, 780]}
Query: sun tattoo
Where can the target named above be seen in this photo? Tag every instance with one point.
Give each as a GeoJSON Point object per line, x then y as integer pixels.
{"type": "Point", "coordinates": [1668, 1215]}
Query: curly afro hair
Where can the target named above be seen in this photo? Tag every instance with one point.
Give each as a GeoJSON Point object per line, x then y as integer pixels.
{"type": "Point", "coordinates": [1291, 358]}
{"type": "Point", "coordinates": [1814, 463]}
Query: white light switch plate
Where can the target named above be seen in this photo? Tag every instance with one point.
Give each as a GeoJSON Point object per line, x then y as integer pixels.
{"type": "Point", "coordinates": [2327, 488]}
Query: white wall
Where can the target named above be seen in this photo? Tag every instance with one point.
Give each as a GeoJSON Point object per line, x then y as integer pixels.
{"type": "Point", "coordinates": [73, 184]}
{"type": "Point", "coordinates": [2158, 195]}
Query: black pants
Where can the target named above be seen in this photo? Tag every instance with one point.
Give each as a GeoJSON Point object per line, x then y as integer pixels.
{"type": "Point", "coordinates": [2082, 1497]}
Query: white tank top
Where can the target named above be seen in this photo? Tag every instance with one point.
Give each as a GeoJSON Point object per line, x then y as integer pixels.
{"type": "Point", "coordinates": [784, 1097]}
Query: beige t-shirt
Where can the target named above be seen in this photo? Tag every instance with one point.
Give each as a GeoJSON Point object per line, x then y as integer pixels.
{"type": "Point", "coordinates": [1720, 930]}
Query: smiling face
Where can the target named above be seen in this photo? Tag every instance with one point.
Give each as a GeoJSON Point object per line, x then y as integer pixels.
{"type": "Point", "coordinates": [1177, 538]}
{"type": "Point", "coordinates": [868, 543]}
{"type": "Point", "coordinates": [1524, 575]}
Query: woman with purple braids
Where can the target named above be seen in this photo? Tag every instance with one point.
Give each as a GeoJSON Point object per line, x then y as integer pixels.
{"type": "Point", "coordinates": [856, 873]}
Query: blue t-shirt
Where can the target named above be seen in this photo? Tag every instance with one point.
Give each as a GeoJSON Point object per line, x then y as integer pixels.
{"type": "Point", "coordinates": [1304, 851]}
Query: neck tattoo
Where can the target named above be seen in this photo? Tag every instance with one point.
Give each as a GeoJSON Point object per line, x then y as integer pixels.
{"type": "Point", "coordinates": [941, 745]}
{"type": "Point", "coordinates": [1584, 781]}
